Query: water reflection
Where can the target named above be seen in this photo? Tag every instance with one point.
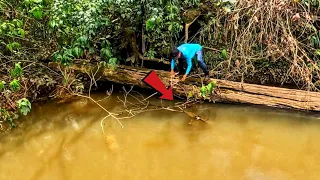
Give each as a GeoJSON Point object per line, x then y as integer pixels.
{"type": "Point", "coordinates": [65, 141]}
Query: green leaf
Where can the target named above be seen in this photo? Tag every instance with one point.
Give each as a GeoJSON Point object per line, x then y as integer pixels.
{"type": "Point", "coordinates": [12, 46]}
{"type": "Point", "coordinates": [113, 61]}
{"type": "Point", "coordinates": [224, 54]}
{"type": "Point", "coordinates": [106, 52]}
{"type": "Point", "coordinates": [2, 84]}
{"type": "Point", "coordinates": [37, 12]}
{"type": "Point", "coordinates": [26, 2]}
{"type": "Point", "coordinates": [57, 56]}
{"type": "Point", "coordinates": [190, 95]}
{"type": "Point", "coordinates": [68, 52]}
{"type": "Point", "coordinates": [17, 71]}
{"type": "Point", "coordinates": [18, 23]}
{"type": "Point", "coordinates": [52, 24]}
{"type": "Point", "coordinates": [16, 45]}
{"type": "Point", "coordinates": [65, 60]}
{"type": "Point", "coordinates": [107, 23]}
{"type": "Point", "coordinates": [9, 47]}
{"type": "Point", "coordinates": [159, 20]}
{"type": "Point", "coordinates": [24, 110]}
{"type": "Point", "coordinates": [210, 87]}
{"type": "Point", "coordinates": [10, 26]}
{"type": "Point", "coordinates": [318, 52]}
{"type": "Point", "coordinates": [83, 40]}
{"type": "Point", "coordinates": [150, 24]}
{"type": "Point", "coordinates": [21, 32]}
{"type": "Point", "coordinates": [4, 26]}
{"type": "Point", "coordinates": [77, 52]}
{"type": "Point", "coordinates": [203, 91]}
{"type": "Point", "coordinates": [37, 1]}
{"type": "Point", "coordinates": [91, 50]}
{"type": "Point", "coordinates": [24, 106]}
{"type": "Point", "coordinates": [14, 85]}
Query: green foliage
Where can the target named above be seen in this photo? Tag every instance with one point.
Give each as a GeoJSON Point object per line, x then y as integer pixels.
{"type": "Point", "coordinates": [77, 52]}
{"type": "Point", "coordinates": [102, 21]}
{"type": "Point", "coordinates": [224, 54]}
{"type": "Point", "coordinates": [7, 116]}
{"type": "Point", "coordinates": [311, 3]}
{"type": "Point", "coordinates": [17, 71]}
{"type": "Point", "coordinates": [13, 46]}
{"type": "Point", "coordinates": [318, 52]}
{"type": "Point", "coordinates": [17, 22]}
{"type": "Point", "coordinates": [151, 53]}
{"type": "Point", "coordinates": [113, 62]}
{"type": "Point", "coordinates": [64, 56]}
{"type": "Point", "coordinates": [24, 106]}
{"type": "Point", "coordinates": [36, 12]}
{"type": "Point", "coordinates": [190, 95]}
{"type": "Point", "coordinates": [207, 90]}
{"type": "Point", "coordinates": [35, 8]}
{"type": "Point", "coordinates": [2, 85]}
{"type": "Point", "coordinates": [12, 28]}
{"type": "Point", "coordinates": [84, 13]}
{"type": "Point", "coordinates": [82, 41]}
{"type": "Point", "coordinates": [163, 24]}
{"type": "Point", "coordinates": [76, 24]}
{"type": "Point", "coordinates": [73, 18]}
{"type": "Point", "coordinates": [15, 85]}
{"type": "Point", "coordinates": [106, 51]}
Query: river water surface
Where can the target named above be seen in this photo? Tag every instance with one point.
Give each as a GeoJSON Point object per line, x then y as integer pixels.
{"type": "Point", "coordinates": [60, 141]}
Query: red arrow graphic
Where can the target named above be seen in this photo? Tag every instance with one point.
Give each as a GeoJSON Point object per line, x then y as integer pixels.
{"type": "Point", "coordinates": [153, 80]}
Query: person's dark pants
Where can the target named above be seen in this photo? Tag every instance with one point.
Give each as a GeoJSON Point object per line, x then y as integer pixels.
{"type": "Point", "coordinates": [182, 64]}
{"type": "Point", "coordinates": [201, 62]}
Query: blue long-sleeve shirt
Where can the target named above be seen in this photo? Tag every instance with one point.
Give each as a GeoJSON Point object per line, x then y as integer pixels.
{"type": "Point", "coordinates": [188, 51]}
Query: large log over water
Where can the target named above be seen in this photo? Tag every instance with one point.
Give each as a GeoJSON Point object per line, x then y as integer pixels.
{"type": "Point", "coordinates": [227, 91]}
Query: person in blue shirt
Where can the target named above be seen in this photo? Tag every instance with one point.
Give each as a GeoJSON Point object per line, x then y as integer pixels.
{"type": "Point", "coordinates": [188, 51]}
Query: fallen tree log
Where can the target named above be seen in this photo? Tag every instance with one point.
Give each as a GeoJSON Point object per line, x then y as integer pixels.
{"type": "Point", "coordinates": [226, 91]}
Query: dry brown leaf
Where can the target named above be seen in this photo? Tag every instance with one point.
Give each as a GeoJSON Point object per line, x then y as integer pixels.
{"type": "Point", "coordinates": [295, 17]}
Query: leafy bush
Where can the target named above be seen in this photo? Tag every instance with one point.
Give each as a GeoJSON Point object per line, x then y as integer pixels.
{"type": "Point", "coordinates": [24, 106]}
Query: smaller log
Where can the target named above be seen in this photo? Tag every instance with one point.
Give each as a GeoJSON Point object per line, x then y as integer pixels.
{"type": "Point", "coordinates": [164, 61]}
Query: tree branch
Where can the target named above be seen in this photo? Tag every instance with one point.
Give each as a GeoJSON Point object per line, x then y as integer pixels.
{"type": "Point", "coordinates": [187, 29]}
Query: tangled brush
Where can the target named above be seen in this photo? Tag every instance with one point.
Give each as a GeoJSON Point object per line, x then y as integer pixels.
{"type": "Point", "coordinates": [259, 33]}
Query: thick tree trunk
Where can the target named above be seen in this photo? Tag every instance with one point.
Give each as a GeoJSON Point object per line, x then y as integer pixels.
{"type": "Point", "coordinates": [226, 91]}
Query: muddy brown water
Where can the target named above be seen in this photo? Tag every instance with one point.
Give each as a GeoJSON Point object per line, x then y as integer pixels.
{"type": "Point", "coordinates": [60, 141]}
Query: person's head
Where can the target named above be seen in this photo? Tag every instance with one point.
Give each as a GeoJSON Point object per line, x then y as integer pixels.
{"type": "Point", "coordinates": [175, 54]}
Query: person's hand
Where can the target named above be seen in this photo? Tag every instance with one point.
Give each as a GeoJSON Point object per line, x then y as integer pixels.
{"type": "Point", "coordinates": [172, 73]}
{"type": "Point", "coordinates": [184, 77]}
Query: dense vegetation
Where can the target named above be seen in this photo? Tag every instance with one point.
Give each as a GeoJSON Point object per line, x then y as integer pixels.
{"type": "Point", "coordinates": [267, 42]}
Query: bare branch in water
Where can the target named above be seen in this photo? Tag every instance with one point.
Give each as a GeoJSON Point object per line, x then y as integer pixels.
{"type": "Point", "coordinates": [133, 103]}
